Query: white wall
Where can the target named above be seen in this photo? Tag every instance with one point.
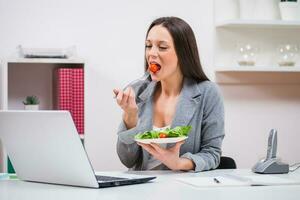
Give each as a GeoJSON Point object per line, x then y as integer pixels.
{"type": "Point", "coordinates": [110, 36]}
{"type": "Point", "coordinates": [251, 111]}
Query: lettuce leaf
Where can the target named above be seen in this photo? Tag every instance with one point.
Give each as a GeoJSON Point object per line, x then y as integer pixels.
{"type": "Point", "coordinates": [178, 131]}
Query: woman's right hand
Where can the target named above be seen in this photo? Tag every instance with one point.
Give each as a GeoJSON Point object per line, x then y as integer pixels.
{"type": "Point", "coordinates": [126, 100]}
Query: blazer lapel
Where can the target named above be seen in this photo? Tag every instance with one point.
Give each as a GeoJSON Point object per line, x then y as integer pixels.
{"type": "Point", "coordinates": [144, 103]}
{"type": "Point", "coordinates": [189, 98]}
{"type": "Point", "coordinates": [186, 106]}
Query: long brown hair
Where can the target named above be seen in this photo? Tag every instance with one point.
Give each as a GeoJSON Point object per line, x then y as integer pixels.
{"type": "Point", "coordinates": [185, 47]}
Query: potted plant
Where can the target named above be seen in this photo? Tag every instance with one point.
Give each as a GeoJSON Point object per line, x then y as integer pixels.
{"type": "Point", "coordinates": [289, 9]}
{"type": "Point", "coordinates": [31, 103]}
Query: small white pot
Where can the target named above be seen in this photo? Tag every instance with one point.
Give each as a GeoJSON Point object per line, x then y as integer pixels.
{"type": "Point", "coordinates": [226, 10]}
{"type": "Point", "coordinates": [247, 9]}
{"type": "Point", "coordinates": [290, 10]}
{"type": "Point", "coordinates": [31, 107]}
{"type": "Point", "coordinates": [259, 9]}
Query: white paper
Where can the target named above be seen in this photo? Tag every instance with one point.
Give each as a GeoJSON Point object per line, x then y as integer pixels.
{"type": "Point", "coordinates": [209, 181]}
{"type": "Point", "coordinates": [47, 52]}
{"type": "Point", "coordinates": [234, 180]}
{"type": "Point", "coordinates": [271, 180]}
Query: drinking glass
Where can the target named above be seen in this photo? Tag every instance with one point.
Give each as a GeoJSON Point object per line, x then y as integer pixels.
{"type": "Point", "coordinates": [287, 54]}
{"type": "Point", "coordinates": [246, 54]}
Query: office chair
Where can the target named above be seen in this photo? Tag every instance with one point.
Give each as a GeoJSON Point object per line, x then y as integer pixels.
{"type": "Point", "coordinates": [226, 163]}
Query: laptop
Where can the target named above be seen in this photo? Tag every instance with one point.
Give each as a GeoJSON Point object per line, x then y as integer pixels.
{"type": "Point", "coordinates": [44, 146]}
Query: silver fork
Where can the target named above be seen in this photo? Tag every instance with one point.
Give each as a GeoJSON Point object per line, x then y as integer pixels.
{"type": "Point", "coordinates": [143, 78]}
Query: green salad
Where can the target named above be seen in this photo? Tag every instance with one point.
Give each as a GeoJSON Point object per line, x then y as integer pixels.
{"type": "Point", "coordinates": [178, 131]}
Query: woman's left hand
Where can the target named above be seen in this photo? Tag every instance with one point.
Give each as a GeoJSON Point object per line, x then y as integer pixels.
{"type": "Point", "coordinates": [169, 157]}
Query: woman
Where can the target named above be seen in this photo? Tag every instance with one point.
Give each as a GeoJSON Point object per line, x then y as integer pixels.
{"type": "Point", "coordinates": [179, 94]}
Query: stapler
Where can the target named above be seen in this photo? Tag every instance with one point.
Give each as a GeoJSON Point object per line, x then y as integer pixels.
{"type": "Point", "coordinates": [271, 164]}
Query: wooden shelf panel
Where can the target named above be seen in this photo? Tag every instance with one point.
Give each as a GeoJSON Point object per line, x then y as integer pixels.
{"type": "Point", "coordinates": [257, 69]}
{"type": "Point", "coordinates": [248, 76]}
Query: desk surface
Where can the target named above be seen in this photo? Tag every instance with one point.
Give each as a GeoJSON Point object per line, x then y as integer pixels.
{"type": "Point", "coordinates": [165, 186]}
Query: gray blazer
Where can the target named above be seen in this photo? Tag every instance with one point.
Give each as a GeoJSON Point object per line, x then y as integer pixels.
{"type": "Point", "coordinates": [200, 105]}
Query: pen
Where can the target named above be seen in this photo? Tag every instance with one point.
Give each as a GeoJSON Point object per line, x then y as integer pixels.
{"type": "Point", "coordinates": [216, 180]}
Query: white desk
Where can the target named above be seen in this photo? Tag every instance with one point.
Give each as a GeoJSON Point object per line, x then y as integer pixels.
{"type": "Point", "coordinates": [164, 187]}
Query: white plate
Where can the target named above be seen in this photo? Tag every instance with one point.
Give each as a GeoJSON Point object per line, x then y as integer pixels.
{"type": "Point", "coordinates": [161, 140]}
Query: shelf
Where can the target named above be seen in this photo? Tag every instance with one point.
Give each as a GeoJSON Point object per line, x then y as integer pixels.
{"type": "Point", "coordinates": [20, 77]}
{"type": "Point", "coordinates": [259, 24]}
{"type": "Point", "coordinates": [257, 69]}
{"type": "Point", "coordinates": [47, 60]}
{"type": "Point", "coordinates": [258, 75]}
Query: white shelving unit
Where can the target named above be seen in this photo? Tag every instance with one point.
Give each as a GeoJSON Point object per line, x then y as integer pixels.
{"type": "Point", "coordinates": [262, 96]}
{"type": "Point", "coordinates": [266, 35]}
{"type": "Point", "coordinates": [23, 76]}
{"type": "Point", "coordinates": [277, 24]}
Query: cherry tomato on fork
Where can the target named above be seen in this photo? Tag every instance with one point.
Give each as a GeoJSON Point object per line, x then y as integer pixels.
{"type": "Point", "coordinates": [154, 68]}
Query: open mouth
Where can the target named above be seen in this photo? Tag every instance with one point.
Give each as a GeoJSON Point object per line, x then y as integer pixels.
{"type": "Point", "coordinates": [154, 67]}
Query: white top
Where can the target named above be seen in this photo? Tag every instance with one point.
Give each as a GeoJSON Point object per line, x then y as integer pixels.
{"type": "Point", "coordinates": [152, 162]}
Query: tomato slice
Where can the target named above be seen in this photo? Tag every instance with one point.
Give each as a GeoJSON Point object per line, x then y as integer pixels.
{"type": "Point", "coordinates": [154, 68]}
{"type": "Point", "coordinates": [163, 135]}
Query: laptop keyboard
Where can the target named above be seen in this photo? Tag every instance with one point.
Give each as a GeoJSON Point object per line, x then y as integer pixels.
{"type": "Point", "coordinates": [108, 178]}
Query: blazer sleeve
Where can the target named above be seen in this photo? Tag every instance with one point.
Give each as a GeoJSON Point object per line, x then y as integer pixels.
{"type": "Point", "coordinates": [130, 154]}
{"type": "Point", "coordinates": [128, 151]}
{"type": "Point", "coordinates": [212, 132]}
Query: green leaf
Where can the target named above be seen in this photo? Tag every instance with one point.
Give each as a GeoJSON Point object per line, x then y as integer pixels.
{"type": "Point", "coordinates": [31, 100]}
{"type": "Point", "coordinates": [178, 131]}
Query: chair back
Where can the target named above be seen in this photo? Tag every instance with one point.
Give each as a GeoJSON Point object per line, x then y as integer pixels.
{"type": "Point", "coordinates": [226, 163]}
